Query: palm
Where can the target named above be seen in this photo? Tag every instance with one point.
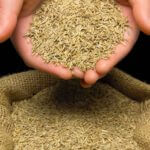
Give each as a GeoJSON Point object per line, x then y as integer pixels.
{"type": "Point", "coordinates": [25, 49]}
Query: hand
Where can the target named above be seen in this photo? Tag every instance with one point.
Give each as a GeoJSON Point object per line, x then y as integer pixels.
{"type": "Point", "coordinates": [138, 14]}
{"type": "Point", "coordinates": [15, 18]}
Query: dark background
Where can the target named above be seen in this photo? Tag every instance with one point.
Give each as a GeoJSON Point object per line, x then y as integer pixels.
{"type": "Point", "coordinates": [136, 63]}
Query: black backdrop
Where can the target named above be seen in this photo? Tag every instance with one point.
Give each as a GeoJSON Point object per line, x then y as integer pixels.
{"type": "Point", "coordinates": [136, 63]}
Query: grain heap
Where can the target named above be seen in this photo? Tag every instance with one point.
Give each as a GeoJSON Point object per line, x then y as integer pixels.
{"type": "Point", "coordinates": [36, 113]}
{"type": "Point", "coordinates": [68, 117]}
{"type": "Point", "coordinates": [76, 32]}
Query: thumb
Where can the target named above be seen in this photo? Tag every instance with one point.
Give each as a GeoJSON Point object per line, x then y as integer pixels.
{"type": "Point", "coordinates": [9, 11]}
{"type": "Point", "coordinates": [141, 12]}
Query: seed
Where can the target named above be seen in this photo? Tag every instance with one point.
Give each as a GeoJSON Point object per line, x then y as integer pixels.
{"type": "Point", "coordinates": [69, 32]}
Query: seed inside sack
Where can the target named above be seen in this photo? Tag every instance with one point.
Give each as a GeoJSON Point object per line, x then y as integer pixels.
{"type": "Point", "coordinates": [76, 33]}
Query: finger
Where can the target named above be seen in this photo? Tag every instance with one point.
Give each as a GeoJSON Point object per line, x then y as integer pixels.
{"type": "Point", "coordinates": [37, 63]}
{"type": "Point", "coordinates": [9, 11]}
{"type": "Point", "coordinates": [77, 73]}
{"type": "Point", "coordinates": [84, 84]}
{"type": "Point", "coordinates": [141, 11]}
{"type": "Point", "coordinates": [91, 76]}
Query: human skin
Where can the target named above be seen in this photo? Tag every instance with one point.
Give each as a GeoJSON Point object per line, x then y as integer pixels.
{"type": "Point", "coordinates": [16, 16]}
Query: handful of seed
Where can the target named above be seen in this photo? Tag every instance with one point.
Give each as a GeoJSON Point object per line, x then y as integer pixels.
{"type": "Point", "coordinates": [76, 33]}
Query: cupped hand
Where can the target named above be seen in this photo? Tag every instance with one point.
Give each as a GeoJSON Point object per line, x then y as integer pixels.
{"type": "Point", "coordinates": [138, 14]}
{"type": "Point", "coordinates": [16, 17]}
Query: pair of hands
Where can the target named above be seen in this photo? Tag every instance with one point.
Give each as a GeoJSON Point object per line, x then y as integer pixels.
{"type": "Point", "coordinates": [16, 16]}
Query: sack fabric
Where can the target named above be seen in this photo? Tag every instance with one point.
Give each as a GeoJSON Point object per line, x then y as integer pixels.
{"type": "Point", "coordinates": [41, 112]}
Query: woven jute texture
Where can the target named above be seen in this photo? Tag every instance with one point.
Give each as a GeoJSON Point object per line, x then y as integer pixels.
{"type": "Point", "coordinates": [41, 112]}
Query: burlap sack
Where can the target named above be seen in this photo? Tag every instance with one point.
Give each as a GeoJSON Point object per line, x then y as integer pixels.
{"type": "Point", "coordinates": [41, 112]}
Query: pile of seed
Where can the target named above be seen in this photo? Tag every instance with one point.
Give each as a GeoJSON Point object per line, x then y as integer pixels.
{"type": "Point", "coordinates": [77, 33]}
{"type": "Point", "coordinates": [68, 117]}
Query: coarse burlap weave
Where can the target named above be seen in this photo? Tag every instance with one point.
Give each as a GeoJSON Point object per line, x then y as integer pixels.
{"type": "Point", "coordinates": [115, 114]}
